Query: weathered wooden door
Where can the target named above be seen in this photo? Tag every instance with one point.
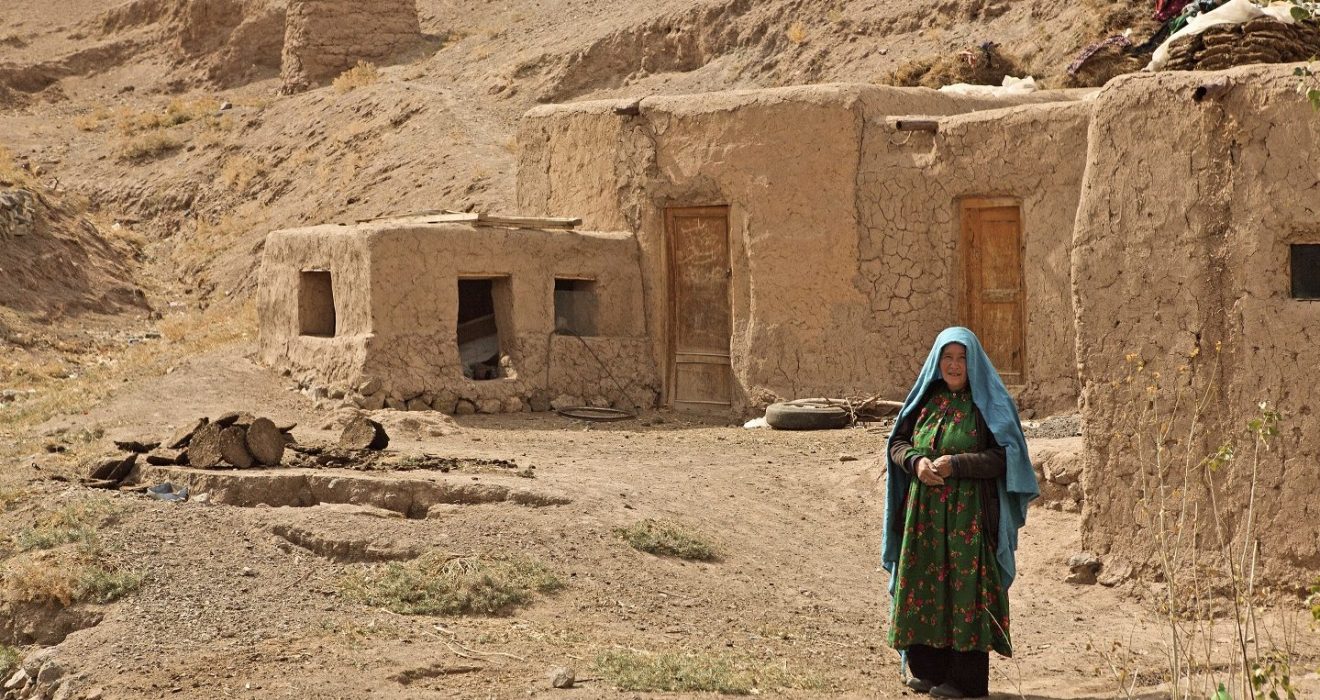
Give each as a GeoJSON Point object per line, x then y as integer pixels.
{"type": "Point", "coordinates": [699, 316]}
{"type": "Point", "coordinates": [993, 291]}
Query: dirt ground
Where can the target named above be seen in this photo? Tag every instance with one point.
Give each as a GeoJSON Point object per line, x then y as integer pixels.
{"type": "Point", "coordinates": [230, 608]}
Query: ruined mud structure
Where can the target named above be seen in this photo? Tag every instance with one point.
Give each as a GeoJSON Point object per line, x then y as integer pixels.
{"type": "Point", "coordinates": [323, 38]}
{"type": "Point", "coordinates": [810, 241]}
{"type": "Point", "coordinates": [457, 317]}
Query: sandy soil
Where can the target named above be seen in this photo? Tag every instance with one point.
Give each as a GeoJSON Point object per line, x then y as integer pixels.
{"type": "Point", "coordinates": [230, 608]}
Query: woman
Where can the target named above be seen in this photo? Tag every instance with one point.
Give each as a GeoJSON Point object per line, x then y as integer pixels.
{"type": "Point", "coordinates": [959, 480]}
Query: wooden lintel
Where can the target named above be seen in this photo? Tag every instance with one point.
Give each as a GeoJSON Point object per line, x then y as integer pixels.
{"type": "Point", "coordinates": [916, 124]}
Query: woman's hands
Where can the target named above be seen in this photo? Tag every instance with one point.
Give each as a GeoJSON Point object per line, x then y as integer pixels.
{"type": "Point", "coordinates": [933, 473]}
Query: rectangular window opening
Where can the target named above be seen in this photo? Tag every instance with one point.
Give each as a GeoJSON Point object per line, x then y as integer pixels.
{"type": "Point", "coordinates": [316, 304]}
{"type": "Point", "coordinates": [575, 307]}
{"type": "Point", "coordinates": [479, 330]}
{"type": "Point", "coordinates": [1305, 262]}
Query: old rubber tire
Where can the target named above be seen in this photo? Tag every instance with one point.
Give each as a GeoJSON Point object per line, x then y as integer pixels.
{"type": "Point", "coordinates": [807, 414]}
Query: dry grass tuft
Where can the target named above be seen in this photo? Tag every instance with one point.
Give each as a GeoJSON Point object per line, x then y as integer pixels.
{"type": "Point", "coordinates": [977, 65]}
{"type": "Point", "coordinates": [438, 584]}
{"type": "Point", "coordinates": [175, 113]}
{"type": "Point", "coordinates": [797, 33]}
{"type": "Point", "coordinates": [182, 336]}
{"type": "Point", "coordinates": [239, 171]}
{"type": "Point", "coordinates": [64, 577]}
{"type": "Point", "coordinates": [696, 672]}
{"type": "Point", "coordinates": [13, 174]}
{"type": "Point", "coordinates": [75, 522]}
{"type": "Point", "coordinates": [666, 539]}
{"type": "Point", "coordinates": [145, 146]}
{"type": "Point", "coordinates": [361, 75]}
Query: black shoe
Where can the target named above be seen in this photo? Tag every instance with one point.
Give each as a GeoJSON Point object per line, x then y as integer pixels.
{"type": "Point", "coordinates": [944, 690]}
{"type": "Point", "coordinates": [919, 685]}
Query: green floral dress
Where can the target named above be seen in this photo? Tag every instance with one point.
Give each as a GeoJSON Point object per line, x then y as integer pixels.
{"type": "Point", "coordinates": [949, 593]}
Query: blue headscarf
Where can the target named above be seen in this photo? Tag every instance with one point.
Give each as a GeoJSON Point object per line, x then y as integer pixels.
{"type": "Point", "coordinates": [992, 399]}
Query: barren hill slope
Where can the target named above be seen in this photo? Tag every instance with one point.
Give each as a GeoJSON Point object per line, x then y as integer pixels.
{"type": "Point", "coordinates": [121, 101]}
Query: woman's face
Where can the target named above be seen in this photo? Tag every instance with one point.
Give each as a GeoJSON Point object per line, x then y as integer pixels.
{"type": "Point", "coordinates": [953, 365]}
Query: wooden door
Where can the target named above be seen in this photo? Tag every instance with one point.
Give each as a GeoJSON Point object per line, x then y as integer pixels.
{"type": "Point", "coordinates": [699, 317]}
{"type": "Point", "coordinates": [993, 291]}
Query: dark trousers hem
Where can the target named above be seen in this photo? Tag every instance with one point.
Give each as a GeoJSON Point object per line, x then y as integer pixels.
{"type": "Point", "coordinates": [968, 671]}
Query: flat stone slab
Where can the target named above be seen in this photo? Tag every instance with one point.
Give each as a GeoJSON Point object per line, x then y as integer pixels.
{"type": "Point", "coordinates": [309, 487]}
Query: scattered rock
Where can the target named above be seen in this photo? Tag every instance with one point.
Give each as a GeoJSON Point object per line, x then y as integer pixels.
{"type": "Point", "coordinates": [513, 404]}
{"type": "Point", "coordinates": [112, 468]}
{"type": "Point", "coordinates": [417, 404]}
{"type": "Point", "coordinates": [396, 404]}
{"type": "Point", "coordinates": [370, 386]}
{"type": "Point", "coordinates": [1083, 567]}
{"type": "Point", "coordinates": [563, 401]}
{"type": "Point", "coordinates": [847, 458]}
{"type": "Point", "coordinates": [19, 678]}
{"type": "Point", "coordinates": [489, 406]}
{"type": "Point", "coordinates": [1115, 571]}
{"type": "Point", "coordinates": [362, 433]}
{"type": "Point", "coordinates": [540, 401]}
{"type": "Point", "coordinates": [464, 408]}
{"type": "Point", "coordinates": [373, 402]}
{"type": "Point", "coordinates": [562, 677]}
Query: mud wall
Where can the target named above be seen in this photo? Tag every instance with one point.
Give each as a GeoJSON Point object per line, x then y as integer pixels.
{"type": "Point", "coordinates": [1181, 283]}
{"type": "Point", "coordinates": [323, 38]}
{"type": "Point", "coordinates": [346, 256]}
{"type": "Point", "coordinates": [911, 185]}
{"type": "Point", "coordinates": [396, 288]}
{"type": "Point", "coordinates": [787, 163]}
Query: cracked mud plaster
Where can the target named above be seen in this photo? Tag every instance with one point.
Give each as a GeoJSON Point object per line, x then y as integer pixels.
{"type": "Point", "coordinates": [1187, 255]}
{"type": "Point", "coordinates": [910, 195]}
{"type": "Point", "coordinates": [398, 285]}
{"type": "Point", "coordinates": [807, 230]}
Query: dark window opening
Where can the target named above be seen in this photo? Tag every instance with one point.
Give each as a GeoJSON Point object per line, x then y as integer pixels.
{"type": "Point", "coordinates": [478, 330]}
{"type": "Point", "coordinates": [316, 304]}
{"type": "Point", "coordinates": [575, 307]}
{"type": "Point", "coordinates": [1305, 270]}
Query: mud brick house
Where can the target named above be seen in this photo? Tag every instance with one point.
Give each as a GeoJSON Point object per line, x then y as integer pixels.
{"type": "Point", "coordinates": [811, 241]}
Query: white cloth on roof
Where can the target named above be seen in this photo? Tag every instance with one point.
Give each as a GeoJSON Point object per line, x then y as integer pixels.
{"type": "Point", "coordinates": [1009, 86]}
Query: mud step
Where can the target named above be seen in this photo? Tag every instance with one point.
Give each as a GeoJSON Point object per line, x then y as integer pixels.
{"type": "Point", "coordinates": [304, 487]}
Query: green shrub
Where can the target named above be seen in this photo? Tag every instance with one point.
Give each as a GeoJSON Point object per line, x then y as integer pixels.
{"type": "Point", "coordinates": [666, 539]}
{"type": "Point", "coordinates": [439, 585]}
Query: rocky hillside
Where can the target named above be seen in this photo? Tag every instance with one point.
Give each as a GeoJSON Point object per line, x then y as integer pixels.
{"type": "Point", "coordinates": [168, 116]}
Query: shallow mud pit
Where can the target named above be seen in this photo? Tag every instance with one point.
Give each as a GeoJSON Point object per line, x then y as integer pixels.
{"type": "Point", "coordinates": [414, 498]}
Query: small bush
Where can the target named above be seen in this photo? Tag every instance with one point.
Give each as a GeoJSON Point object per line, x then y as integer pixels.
{"type": "Point", "coordinates": [439, 585]}
{"type": "Point", "coordinates": [361, 75]}
{"type": "Point", "coordinates": [239, 171]}
{"type": "Point", "coordinates": [797, 33]}
{"type": "Point", "coordinates": [75, 522]}
{"type": "Point", "coordinates": [9, 660]}
{"type": "Point", "coordinates": [694, 672]}
{"type": "Point", "coordinates": [666, 539]}
{"type": "Point", "coordinates": [65, 578]}
{"type": "Point", "coordinates": [149, 145]}
{"type": "Point", "coordinates": [11, 173]}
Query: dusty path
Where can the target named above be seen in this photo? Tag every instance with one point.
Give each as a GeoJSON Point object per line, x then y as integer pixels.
{"type": "Point", "coordinates": [229, 608]}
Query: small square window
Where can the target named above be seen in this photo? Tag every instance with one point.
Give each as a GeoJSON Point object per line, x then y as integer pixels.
{"type": "Point", "coordinates": [1305, 261]}
{"type": "Point", "coordinates": [575, 307]}
{"type": "Point", "coordinates": [316, 304]}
